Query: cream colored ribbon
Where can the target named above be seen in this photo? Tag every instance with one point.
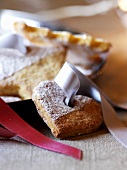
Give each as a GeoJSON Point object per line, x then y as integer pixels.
{"type": "Point", "coordinates": [72, 81]}
{"type": "Point", "coordinates": [13, 41]}
{"type": "Point", "coordinates": [78, 10]}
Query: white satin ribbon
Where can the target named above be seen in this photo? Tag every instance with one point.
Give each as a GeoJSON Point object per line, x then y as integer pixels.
{"type": "Point", "coordinates": [68, 81]}
{"type": "Point", "coordinates": [78, 10]}
{"type": "Point", "coordinates": [13, 41]}
{"type": "Point", "coordinates": [74, 82]}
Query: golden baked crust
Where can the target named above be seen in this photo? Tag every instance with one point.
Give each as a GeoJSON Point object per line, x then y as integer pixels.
{"type": "Point", "coordinates": [40, 35]}
{"type": "Point", "coordinates": [84, 117]}
{"type": "Point", "coordinates": [83, 50]}
{"type": "Point", "coordinates": [22, 82]}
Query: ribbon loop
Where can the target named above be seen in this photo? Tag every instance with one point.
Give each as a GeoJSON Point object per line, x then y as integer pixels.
{"type": "Point", "coordinates": [13, 41]}
{"type": "Point", "coordinates": [73, 82]}
{"type": "Point", "coordinates": [69, 82]}
{"type": "Point", "coordinates": [4, 133]}
{"type": "Point", "coordinates": [87, 88]}
{"type": "Point", "coordinates": [16, 125]}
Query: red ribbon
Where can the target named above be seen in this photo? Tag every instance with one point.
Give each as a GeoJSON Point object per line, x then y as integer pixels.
{"type": "Point", "coordinates": [15, 125]}
{"type": "Point", "coordinates": [6, 133]}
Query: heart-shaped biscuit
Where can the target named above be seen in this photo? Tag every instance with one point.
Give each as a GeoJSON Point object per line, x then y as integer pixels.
{"type": "Point", "coordinates": [84, 117]}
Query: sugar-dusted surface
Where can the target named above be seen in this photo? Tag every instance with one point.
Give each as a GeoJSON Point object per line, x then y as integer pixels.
{"type": "Point", "coordinates": [52, 99]}
{"type": "Point", "coordinates": [100, 150]}
{"type": "Point", "coordinates": [12, 60]}
{"type": "Point", "coordinates": [64, 121]}
{"type": "Point", "coordinates": [50, 94]}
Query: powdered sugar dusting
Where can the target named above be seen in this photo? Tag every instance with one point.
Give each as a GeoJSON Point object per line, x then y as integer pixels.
{"type": "Point", "coordinates": [51, 97]}
{"type": "Point", "coordinates": [11, 60]}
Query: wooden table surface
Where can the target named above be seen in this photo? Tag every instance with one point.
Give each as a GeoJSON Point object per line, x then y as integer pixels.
{"type": "Point", "coordinates": [100, 150]}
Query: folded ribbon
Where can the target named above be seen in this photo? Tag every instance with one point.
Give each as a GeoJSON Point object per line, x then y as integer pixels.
{"type": "Point", "coordinates": [72, 81]}
{"type": "Point", "coordinates": [13, 41]}
{"type": "Point", "coordinates": [84, 86]}
{"type": "Point", "coordinates": [4, 133]}
{"type": "Point", "coordinates": [16, 125]}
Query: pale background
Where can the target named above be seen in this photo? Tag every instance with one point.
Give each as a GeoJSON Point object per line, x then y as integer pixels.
{"type": "Point", "coordinates": [100, 150]}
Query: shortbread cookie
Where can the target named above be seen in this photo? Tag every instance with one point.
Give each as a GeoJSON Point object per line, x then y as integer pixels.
{"type": "Point", "coordinates": [19, 73]}
{"type": "Point", "coordinates": [40, 35]}
{"type": "Point", "coordinates": [83, 50]}
{"type": "Point", "coordinates": [84, 117]}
